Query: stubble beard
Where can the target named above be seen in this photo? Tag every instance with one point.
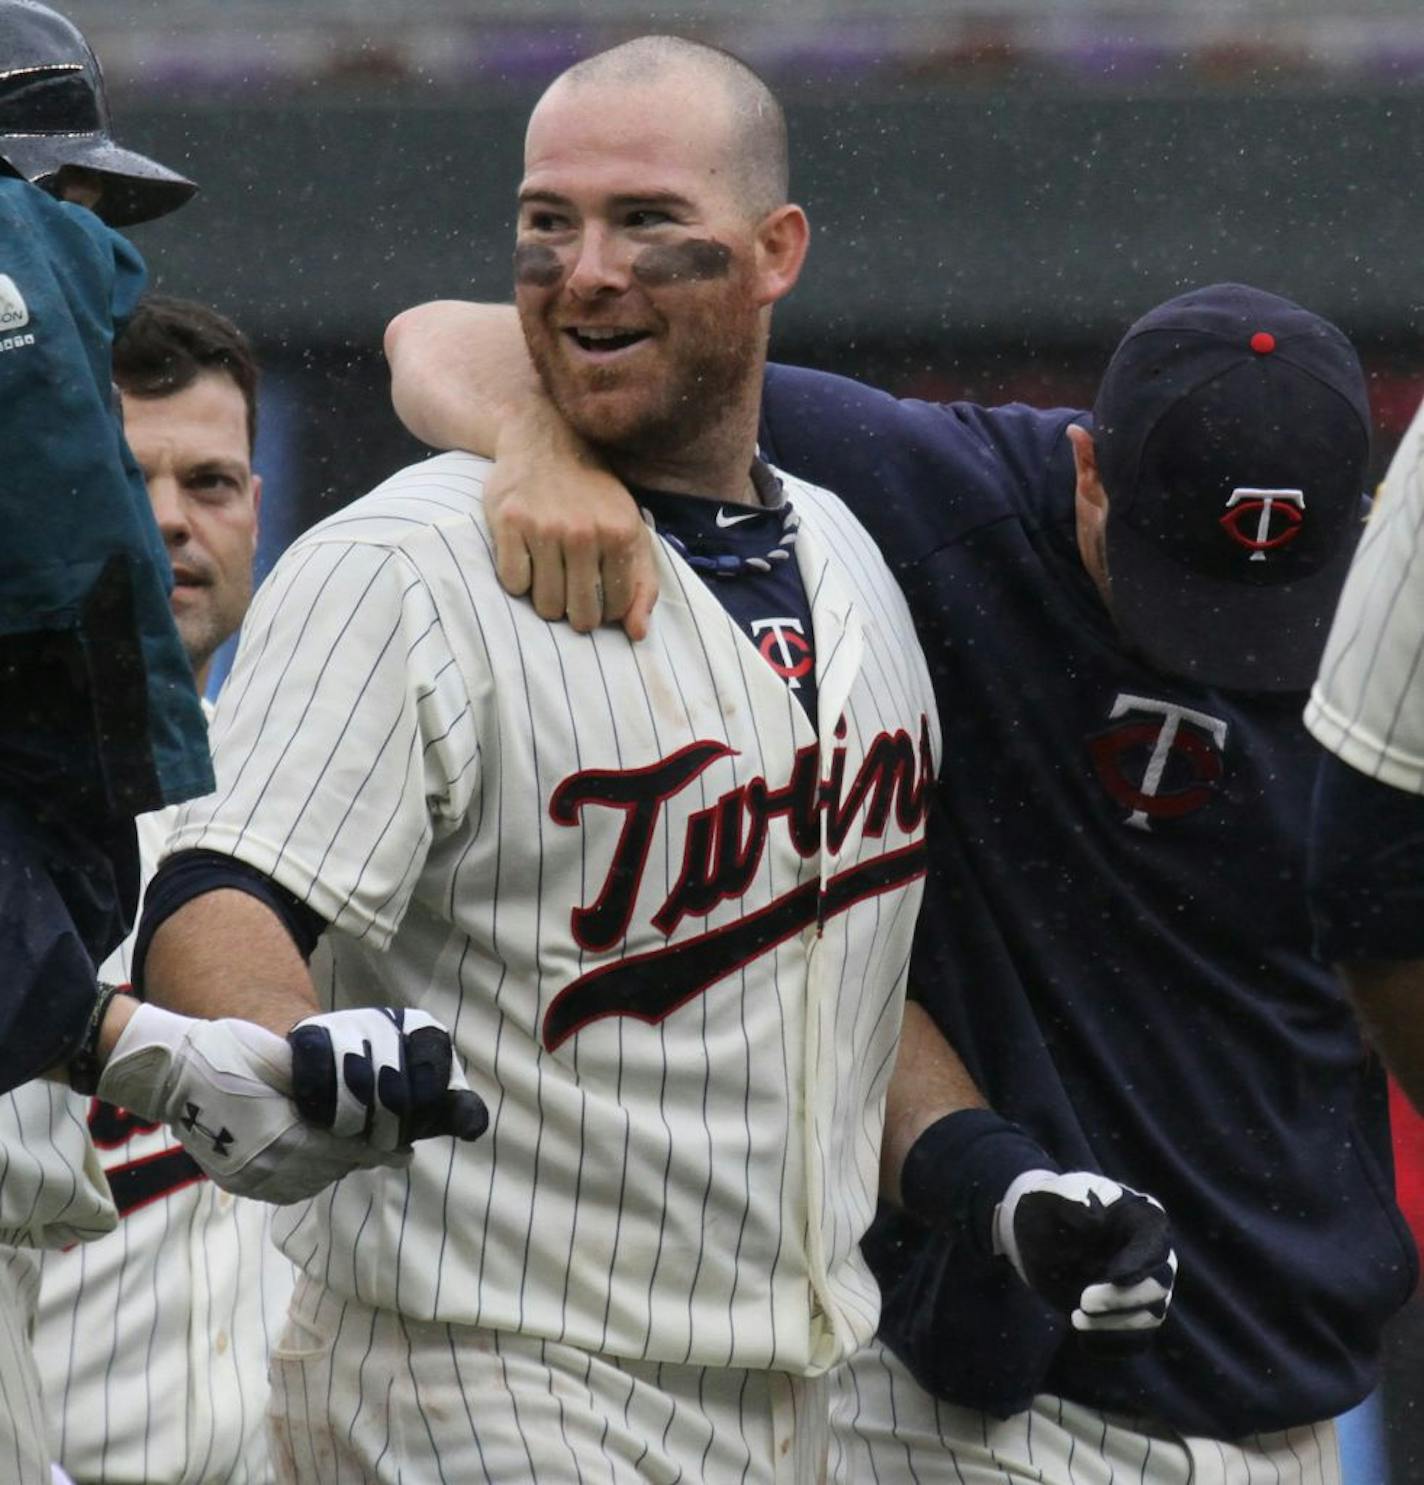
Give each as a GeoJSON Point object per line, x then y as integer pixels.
{"type": "Point", "coordinates": [203, 630]}
{"type": "Point", "coordinates": [717, 360]}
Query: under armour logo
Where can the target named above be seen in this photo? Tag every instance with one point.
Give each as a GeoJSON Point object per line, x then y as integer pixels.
{"type": "Point", "coordinates": [221, 1138]}
{"type": "Point", "coordinates": [1164, 736]}
{"type": "Point", "coordinates": [1264, 505]}
{"type": "Point", "coordinates": [784, 647]}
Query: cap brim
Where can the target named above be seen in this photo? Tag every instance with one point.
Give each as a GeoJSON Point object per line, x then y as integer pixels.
{"type": "Point", "coordinates": [1240, 636]}
{"type": "Point", "coordinates": [136, 189]}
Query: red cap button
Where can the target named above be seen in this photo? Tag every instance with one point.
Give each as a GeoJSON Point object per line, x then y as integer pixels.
{"type": "Point", "coordinates": [1263, 342]}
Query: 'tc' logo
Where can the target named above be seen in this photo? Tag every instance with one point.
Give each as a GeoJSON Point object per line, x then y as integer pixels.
{"type": "Point", "coordinates": [783, 646]}
{"type": "Point", "coordinates": [1264, 504]}
{"type": "Point", "coordinates": [1164, 735]}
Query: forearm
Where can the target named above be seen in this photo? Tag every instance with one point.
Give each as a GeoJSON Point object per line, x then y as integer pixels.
{"type": "Point", "coordinates": [929, 1081]}
{"type": "Point", "coordinates": [225, 953]}
{"type": "Point", "coordinates": [1389, 996]}
{"type": "Point", "coordinates": [116, 1016]}
{"type": "Point", "coordinates": [565, 530]}
{"type": "Point", "coordinates": [459, 371]}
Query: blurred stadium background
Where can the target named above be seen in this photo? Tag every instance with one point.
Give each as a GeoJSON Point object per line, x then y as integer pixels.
{"type": "Point", "coordinates": [997, 187]}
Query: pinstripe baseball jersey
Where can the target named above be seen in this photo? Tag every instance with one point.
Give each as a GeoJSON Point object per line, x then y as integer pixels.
{"type": "Point", "coordinates": [667, 924]}
{"type": "Point", "coordinates": [886, 1427]}
{"type": "Point", "coordinates": [52, 1187]}
{"type": "Point", "coordinates": [1368, 703]}
{"type": "Point", "coordinates": [152, 1344]}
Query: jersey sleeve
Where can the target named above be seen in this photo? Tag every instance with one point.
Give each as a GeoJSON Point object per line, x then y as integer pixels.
{"type": "Point", "coordinates": [917, 474]}
{"type": "Point", "coordinates": [343, 741]}
{"type": "Point", "coordinates": [1367, 705]}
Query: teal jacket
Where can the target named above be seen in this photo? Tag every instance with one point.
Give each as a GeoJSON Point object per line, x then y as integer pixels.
{"type": "Point", "coordinates": [98, 712]}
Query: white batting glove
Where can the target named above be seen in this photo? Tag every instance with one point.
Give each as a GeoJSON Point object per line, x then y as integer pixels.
{"type": "Point", "coordinates": [224, 1088]}
{"type": "Point", "coordinates": [1099, 1251]}
{"type": "Point", "coordinates": [383, 1076]}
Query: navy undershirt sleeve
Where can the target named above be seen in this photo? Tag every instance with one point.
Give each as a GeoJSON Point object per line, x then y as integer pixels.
{"type": "Point", "coordinates": [190, 874]}
{"type": "Point", "coordinates": [1366, 867]}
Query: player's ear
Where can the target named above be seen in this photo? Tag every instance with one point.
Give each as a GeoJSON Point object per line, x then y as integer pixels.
{"type": "Point", "coordinates": [1090, 504]}
{"type": "Point", "coordinates": [782, 237]}
{"type": "Point", "coordinates": [1085, 464]}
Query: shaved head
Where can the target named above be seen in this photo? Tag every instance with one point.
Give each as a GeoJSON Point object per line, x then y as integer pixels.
{"type": "Point", "coordinates": [756, 124]}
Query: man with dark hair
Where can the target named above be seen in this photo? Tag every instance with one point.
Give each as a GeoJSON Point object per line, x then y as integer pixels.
{"type": "Point", "coordinates": [189, 389]}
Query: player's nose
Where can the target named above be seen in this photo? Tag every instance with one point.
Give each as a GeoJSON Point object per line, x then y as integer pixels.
{"type": "Point", "coordinates": [601, 264]}
{"type": "Point", "coordinates": [169, 510]}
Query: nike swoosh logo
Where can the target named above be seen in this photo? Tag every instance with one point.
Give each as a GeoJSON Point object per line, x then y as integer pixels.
{"type": "Point", "coordinates": [723, 519]}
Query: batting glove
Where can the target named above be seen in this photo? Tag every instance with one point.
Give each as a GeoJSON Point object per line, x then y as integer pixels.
{"type": "Point", "coordinates": [224, 1087]}
{"type": "Point", "coordinates": [1096, 1250]}
{"type": "Point", "coordinates": [385, 1077]}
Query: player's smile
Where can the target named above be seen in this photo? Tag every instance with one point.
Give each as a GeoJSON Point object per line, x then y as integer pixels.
{"type": "Point", "coordinates": [605, 344]}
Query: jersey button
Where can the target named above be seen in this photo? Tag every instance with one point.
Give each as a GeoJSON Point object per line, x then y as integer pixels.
{"type": "Point", "coordinates": [220, 1342]}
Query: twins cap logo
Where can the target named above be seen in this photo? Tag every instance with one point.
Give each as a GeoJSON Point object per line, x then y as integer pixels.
{"type": "Point", "coordinates": [14, 312]}
{"type": "Point", "coordinates": [1264, 505]}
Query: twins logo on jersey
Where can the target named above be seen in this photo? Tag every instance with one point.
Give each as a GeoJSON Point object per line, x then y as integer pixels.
{"type": "Point", "coordinates": [784, 647]}
{"type": "Point", "coordinates": [1265, 506]}
{"type": "Point", "coordinates": [1161, 762]}
{"type": "Point", "coordinates": [722, 849]}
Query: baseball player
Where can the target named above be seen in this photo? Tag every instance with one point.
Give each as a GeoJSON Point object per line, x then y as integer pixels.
{"type": "Point", "coordinates": [1122, 617]}
{"type": "Point", "coordinates": [663, 895]}
{"type": "Point", "coordinates": [191, 1281]}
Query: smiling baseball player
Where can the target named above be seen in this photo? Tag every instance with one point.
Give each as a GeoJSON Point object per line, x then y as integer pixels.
{"type": "Point", "coordinates": [664, 899]}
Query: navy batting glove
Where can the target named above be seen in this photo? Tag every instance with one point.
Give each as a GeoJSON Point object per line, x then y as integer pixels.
{"type": "Point", "coordinates": [1098, 1251]}
{"type": "Point", "coordinates": [382, 1076]}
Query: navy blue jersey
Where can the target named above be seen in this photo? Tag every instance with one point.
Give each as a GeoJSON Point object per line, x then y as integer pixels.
{"type": "Point", "coordinates": [1116, 941]}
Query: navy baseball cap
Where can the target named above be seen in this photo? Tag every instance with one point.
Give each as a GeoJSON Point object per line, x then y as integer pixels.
{"type": "Point", "coordinates": [1232, 431]}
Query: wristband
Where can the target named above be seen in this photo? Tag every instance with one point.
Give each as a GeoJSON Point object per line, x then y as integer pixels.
{"type": "Point", "coordinates": [84, 1066]}
{"type": "Point", "coordinates": [958, 1170]}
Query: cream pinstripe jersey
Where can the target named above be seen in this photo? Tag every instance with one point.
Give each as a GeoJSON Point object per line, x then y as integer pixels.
{"type": "Point", "coordinates": [152, 1342]}
{"type": "Point", "coordinates": [1368, 702]}
{"type": "Point", "coordinates": [602, 866]}
{"type": "Point", "coordinates": [52, 1187]}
